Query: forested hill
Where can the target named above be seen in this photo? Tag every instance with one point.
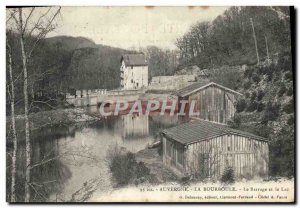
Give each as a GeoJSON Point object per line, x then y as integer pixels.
{"type": "Point", "coordinates": [71, 43]}
{"type": "Point", "coordinates": [267, 109]}
{"type": "Point", "coordinates": [88, 65]}
{"type": "Point", "coordinates": [96, 67]}
{"type": "Point", "coordinates": [228, 39]}
{"type": "Point", "coordinates": [62, 62]}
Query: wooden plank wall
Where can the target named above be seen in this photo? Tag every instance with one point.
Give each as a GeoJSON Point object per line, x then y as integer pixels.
{"type": "Point", "coordinates": [214, 104]}
{"type": "Point", "coordinates": [248, 157]}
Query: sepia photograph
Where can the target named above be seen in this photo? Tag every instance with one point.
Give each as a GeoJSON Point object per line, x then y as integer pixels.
{"type": "Point", "coordinates": [150, 104]}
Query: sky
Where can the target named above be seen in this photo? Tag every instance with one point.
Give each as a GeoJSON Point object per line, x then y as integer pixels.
{"type": "Point", "coordinates": [126, 27]}
{"type": "Point", "coordinates": [132, 27]}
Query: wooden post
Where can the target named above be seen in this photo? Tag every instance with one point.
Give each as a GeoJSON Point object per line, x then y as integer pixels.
{"type": "Point", "coordinates": [255, 42]}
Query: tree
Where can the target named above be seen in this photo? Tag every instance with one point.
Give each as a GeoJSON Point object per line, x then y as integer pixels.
{"type": "Point", "coordinates": [228, 39]}
{"type": "Point", "coordinates": [11, 92]}
{"type": "Point", "coordinates": [27, 28]}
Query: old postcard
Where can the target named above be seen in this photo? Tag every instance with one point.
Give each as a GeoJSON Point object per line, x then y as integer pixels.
{"type": "Point", "coordinates": [150, 104]}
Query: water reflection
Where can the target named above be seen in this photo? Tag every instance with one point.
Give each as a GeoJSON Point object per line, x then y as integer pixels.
{"type": "Point", "coordinates": [79, 152]}
{"type": "Point", "coordinates": [134, 126]}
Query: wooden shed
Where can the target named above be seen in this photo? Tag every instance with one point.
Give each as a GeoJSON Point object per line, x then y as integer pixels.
{"type": "Point", "coordinates": [214, 102]}
{"type": "Point", "coordinates": [204, 149]}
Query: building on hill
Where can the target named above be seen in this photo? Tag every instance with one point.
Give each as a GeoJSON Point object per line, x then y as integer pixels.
{"type": "Point", "coordinates": [134, 71]}
{"type": "Point", "coordinates": [204, 149]}
{"type": "Point", "coordinates": [213, 102]}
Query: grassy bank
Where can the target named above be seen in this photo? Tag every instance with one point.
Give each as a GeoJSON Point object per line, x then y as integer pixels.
{"type": "Point", "coordinates": [153, 161]}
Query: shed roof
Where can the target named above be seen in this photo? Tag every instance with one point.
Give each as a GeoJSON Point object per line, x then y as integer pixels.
{"type": "Point", "coordinates": [199, 86]}
{"type": "Point", "coordinates": [197, 130]}
{"type": "Point", "coordinates": [134, 59]}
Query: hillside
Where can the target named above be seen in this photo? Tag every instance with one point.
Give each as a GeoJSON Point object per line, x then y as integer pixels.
{"type": "Point", "coordinates": [268, 110]}
{"type": "Point", "coordinates": [95, 68]}
{"type": "Point", "coordinates": [70, 43]}
{"type": "Point", "coordinates": [90, 65]}
{"type": "Point", "coordinates": [228, 39]}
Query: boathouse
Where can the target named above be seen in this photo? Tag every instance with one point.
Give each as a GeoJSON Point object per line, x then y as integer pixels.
{"type": "Point", "coordinates": [213, 101]}
{"type": "Point", "coordinates": [204, 149]}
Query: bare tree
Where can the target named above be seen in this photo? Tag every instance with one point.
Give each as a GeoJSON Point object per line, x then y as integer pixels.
{"type": "Point", "coordinates": [11, 93]}
{"type": "Point", "coordinates": [38, 28]}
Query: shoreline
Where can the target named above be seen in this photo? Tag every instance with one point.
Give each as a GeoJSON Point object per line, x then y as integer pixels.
{"type": "Point", "coordinates": [52, 118]}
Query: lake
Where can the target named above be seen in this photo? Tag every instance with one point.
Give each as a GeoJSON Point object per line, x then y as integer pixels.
{"type": "Point", "coordinates": [71, 156]}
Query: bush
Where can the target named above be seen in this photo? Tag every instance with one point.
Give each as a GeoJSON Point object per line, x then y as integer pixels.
{"type": "Point", "coordinates": [272, 112]}
{"type": "Point", "coordinates": [247, 94]}
{"type": "Point", "coordinates": [228, 176]}
{"type": "Point", "coordinates": [281, 90]}
{"type": "Point", "coordinates": [288, 76]}
{"type": "Point", "coordinates": [261, 70]}
{"type": "Point", "coordinates": [260, 107]}
{"type": "Point", "coordinates": [124, 167]}
{"type": "Point", "coordinates": [241, 105]}
{"type": "Point", "coordinates": [289, 108]}
{"type": "Point", "coordinates": [248, 73]}
{"type": "Point", "coordinates": [290, 121]}
{"type": "Point", "coordinates": [235, 122]}
{"type": "Point", "coordinates": [252, 106]}
{"type": "Point", "coordinates": [269, 73]}
{"type": "Point", "coordinates": [290, 91]}
{"type": "Point", "coordinates": [247, 85]}
{"type": "Point", "coordinates": [260, 95]}
{"type": "Point", "coordinates": [256, 78]}
{"type": "Point", "coordinates": [142, 170]}
{"type": "Point", "coordinates": [253, 96]}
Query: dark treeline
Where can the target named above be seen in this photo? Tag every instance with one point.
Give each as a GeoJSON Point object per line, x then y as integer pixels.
{"type": "Point", "coordinates": [228, 39]}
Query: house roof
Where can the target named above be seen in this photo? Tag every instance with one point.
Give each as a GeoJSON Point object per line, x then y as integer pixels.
{"type": "Point", "coordinates": [197, 130]}
{"type": "Point", "coordinates": [199, 86]}
{"type": "Point", "coordinates": [134, 59]}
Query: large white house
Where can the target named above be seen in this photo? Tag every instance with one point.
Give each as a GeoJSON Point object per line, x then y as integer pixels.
{"type": "Point", "coordinates": [134, 71]}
